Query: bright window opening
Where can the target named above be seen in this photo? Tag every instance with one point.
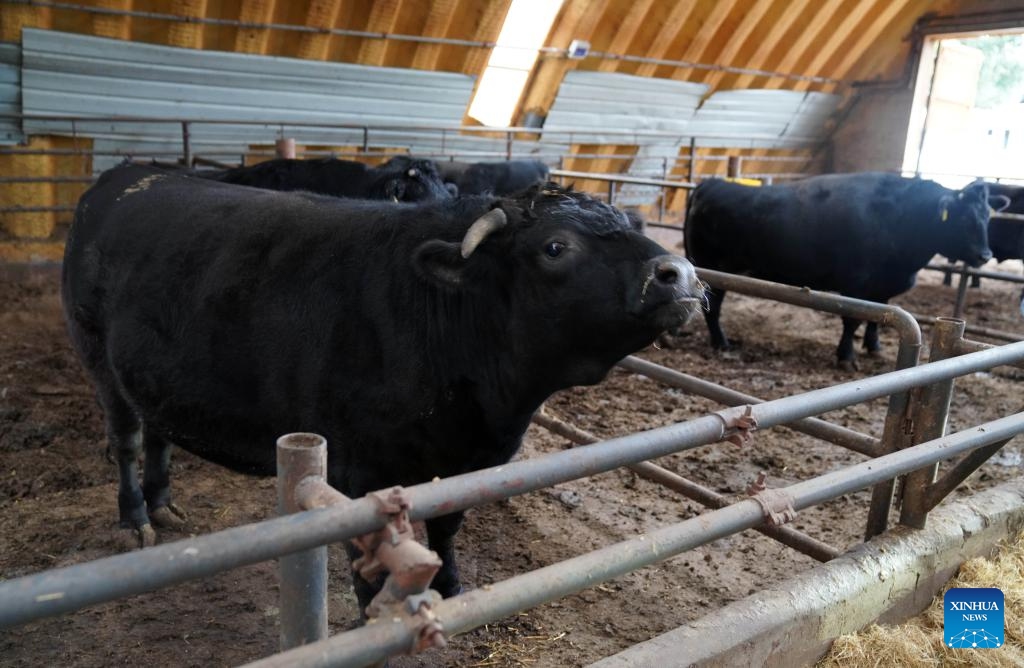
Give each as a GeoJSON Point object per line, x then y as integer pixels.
{"type": "Point", "coordinates": [526, 27]}
{"type": "Point", "coordinates": [968, 113]}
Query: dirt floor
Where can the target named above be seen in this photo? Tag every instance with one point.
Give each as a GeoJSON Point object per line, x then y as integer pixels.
{"type": "Point", "coordinates": [58, 496]}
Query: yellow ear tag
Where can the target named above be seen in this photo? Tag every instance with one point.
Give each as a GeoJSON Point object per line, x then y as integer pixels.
{"type": "Point", "coordinates": [945, 215]}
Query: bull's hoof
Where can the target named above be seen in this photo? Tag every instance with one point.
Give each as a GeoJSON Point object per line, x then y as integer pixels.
{"type": "Point", "coordinates": [146, 535]}
{"type": "Point", "coordinates": [168, 517]}
{"type": "Point", "coordinates": [873, 352]}
{"type": "Point", "coordinates": [848, 365]}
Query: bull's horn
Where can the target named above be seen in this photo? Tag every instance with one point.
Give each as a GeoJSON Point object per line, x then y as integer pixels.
{"type": "Point", "coordinates": [494, 219]}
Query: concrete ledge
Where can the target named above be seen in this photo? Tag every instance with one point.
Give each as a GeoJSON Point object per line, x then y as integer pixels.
{"type": "Point", "coordinates": [893, 577]}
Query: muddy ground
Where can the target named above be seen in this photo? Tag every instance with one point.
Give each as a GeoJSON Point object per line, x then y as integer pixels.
{"type": "Point", "coordinates": [58, 496]}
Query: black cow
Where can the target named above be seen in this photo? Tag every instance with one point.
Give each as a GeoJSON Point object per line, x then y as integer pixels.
{"type": "Point", "coordinates": [1005, 237]}
{"type": "Point", "coordinates": [418, 338]}
{"type": "Point", "coordinates": [861, 235]}
{"type": "Point", "coordinates": [494, 178]}
{"type": "Point", "coordinates": [400, 179]}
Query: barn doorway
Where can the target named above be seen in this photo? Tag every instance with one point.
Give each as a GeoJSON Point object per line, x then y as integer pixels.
{"type": "Point", "coordinates": [967, 118]}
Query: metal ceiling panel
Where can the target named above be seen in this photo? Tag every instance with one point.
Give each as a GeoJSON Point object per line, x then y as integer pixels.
{"type": "Point", "coordinates": [793, 117]}
{"type": "Point", "coordinates": [10, 93]}
{"type": "Point", "coordinates": [613, 101]}
{"type": "Point", "coordinates": [68, 74]}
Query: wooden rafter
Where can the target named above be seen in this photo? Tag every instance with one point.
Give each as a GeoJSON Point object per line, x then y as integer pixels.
{"type": "Point", "coordinates": [254, 40]}
{"type": "Point", "coordinates": [578, 17]}
{"type": "Point", "coordinates": [187, 35]}
{"type": "Point", "coordinates": [628, 28]}
{"type": "Point", "coordinates": [321, 14]}
{"type": "Point", "coordinates": [439, 23]}
{"type": "Point", "coordinates": [382, 19]}
{"type": "Point", "coordinates": [108, 25]}
{"type": "Point", "coordinates": [488, 29]}
{"type": "Point", "coordinates": [739, 43]}
{"type": "Point", "coordinates": [793, 16]}
{"type": "Point", "coordinates": [663, 43]}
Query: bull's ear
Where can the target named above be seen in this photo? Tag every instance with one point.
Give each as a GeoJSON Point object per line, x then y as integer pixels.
{"type": "Point", "coordinates": [394, 190]}
{"type": "Point", "coordinates": [441, 263]}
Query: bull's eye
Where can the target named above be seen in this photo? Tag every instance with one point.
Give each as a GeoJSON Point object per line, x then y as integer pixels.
{"type": "Point", "coordinates": [554, 248]}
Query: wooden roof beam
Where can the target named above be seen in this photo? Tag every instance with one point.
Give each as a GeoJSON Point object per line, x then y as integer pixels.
{"type": "Point", "coordinates": [668, 35]}
{"type": "Point", "coordinates": [440, 22]}
{"type": "Point", "coordinates": [321, 14]}
{"type": "Point", "coordinates": [627, 31]}
{"type": "Point", "coordinates": [577, 19]}
{"type": "Point", "coordinates": [108, 25]}
{"type": "Point", "coordinates": [382, 19]}
{"type": "Point", "coordinates": [254, 40]}
{"type": "Point", "coordinates": [183, 34]}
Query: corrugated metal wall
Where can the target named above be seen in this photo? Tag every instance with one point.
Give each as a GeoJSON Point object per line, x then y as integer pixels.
{"type": "Point", "coordinates": [10, 93]}
{"type": "Point", "coordinates": [65, 74]}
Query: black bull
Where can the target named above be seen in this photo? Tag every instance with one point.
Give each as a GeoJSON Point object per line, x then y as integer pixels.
{"type": "Point", "coordinates": [418, 339]}
{"type": "Point", "coordinates": [861, 235]}
{"type": "Point", "coordinates": [493, 178]}
{"type": "Point", "coordinates": [400, 179]}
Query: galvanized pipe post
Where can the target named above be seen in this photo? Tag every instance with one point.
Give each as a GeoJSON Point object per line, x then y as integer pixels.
{"type": "Point", "coordinates": [303, 575]}
{"type": "Point", "coordinates": [691, 169]}
{"type": "Point", "coordinates": [186, 144]}
{"type": "Point", "coordinates": [930, 412]}
{"type": "Point", "coordinates": [896, 436]}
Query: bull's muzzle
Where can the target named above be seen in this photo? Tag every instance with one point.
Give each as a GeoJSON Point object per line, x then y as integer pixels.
{"type": "Point", "coordinates": [671, 288]}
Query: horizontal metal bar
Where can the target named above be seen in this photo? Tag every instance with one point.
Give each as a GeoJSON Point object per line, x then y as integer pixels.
{"type": "Point", "coordinates": [1016, 217]}
{"type": "Point", "coordinates": [481, 606]}
{"type": "Point", "coordinates": [497, 132]}
{"type": "Point", "coordinates": [622, 178]}
{"type": "Point", "coordinates": [847, 438]}
{"type": "Point", "coordinates": [73, 587]}
{"type": "Point", "coordinates": [951, 479]}
{"type": "Point", "coordinates": [999, 335]}
{"type": "Point", "coordinates": [885, 314]}
{"type": "Point", "coordinates": [958, 269]}
{"type": "Point", "coordinates": [790, 537]}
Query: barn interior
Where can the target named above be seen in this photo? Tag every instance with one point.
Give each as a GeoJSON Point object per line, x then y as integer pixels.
{"type": "Point", "coordinates": [632, 101]}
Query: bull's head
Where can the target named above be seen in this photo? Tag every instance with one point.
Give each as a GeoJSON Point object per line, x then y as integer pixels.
{"type": "Point", "coordinates": [558, 262]}
{"type": "Point", "coordinates": [407, 180]}
{"type": "Point", "coordinates": [964, 224]}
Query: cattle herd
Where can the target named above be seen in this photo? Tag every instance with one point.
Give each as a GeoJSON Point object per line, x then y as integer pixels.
{"type": "Point", "coordinates": [417, 313]}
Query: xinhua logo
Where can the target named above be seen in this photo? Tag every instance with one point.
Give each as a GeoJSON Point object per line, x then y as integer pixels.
{"type": "Point", "coordinates": [973, 618]}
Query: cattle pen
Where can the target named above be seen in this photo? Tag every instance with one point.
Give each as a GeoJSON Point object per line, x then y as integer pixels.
{"type": "Point", "coordinates": [426, 621]}
{"type": "Point", "coordinates": [400, 324]}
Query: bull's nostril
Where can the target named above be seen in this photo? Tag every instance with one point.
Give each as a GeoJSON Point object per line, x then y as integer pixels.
{"type": "Point", "coordinates": [667, 274]}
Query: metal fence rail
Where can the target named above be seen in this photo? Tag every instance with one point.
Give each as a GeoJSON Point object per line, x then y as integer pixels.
{"type": "Point", "coordinates": [74, 587]}
{"type": "Point", "coordinates": [365, 645]}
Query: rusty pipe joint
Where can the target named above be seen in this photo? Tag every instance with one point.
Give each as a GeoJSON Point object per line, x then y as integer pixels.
{"type": "Point", "coordinates": [410, 567]}
{"type": "Point", "coordinates": [737, 423]}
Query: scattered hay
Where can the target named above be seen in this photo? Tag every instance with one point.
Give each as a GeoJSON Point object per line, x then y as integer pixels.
{"type": "Point", "coordinates": [918, 642]}
{"type": "Point", "coordinates": [514, 646]}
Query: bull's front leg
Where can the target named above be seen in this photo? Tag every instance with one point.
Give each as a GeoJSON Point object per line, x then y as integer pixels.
{"type": "Point", "coordinates": [846, 357]}
{"type": "Point", "coordinates": [711, 317]}
{"type": "Point", "coordinates": [441, 539]}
